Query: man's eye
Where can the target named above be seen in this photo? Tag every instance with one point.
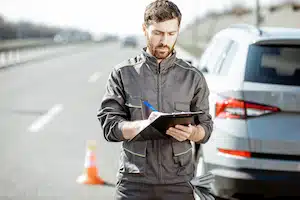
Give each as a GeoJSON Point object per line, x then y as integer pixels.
{"type": "Point", "coordinates": [156, 33]}
{"type": "Point", "coordinates": [173, 33]}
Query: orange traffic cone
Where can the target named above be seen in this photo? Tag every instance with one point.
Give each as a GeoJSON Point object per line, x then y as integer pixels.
{"type": "Point", "coordinates": [90, 175]}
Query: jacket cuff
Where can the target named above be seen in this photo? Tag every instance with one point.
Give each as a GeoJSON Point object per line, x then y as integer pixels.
{"type": "Point", "coordinates": [118, 131]}
{"type": "Point", "coordinates": [206, 135]}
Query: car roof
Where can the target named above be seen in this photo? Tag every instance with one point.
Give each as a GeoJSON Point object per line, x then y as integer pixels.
{"type": "Point", "coordinates": [264, 35]}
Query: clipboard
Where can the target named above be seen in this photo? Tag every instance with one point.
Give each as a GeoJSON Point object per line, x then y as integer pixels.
{"type": "Point", "coordinates": [157, 129]}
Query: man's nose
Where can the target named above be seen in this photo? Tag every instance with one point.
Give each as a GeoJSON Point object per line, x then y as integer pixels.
{"type": "Point", "coordinates": [164, 40]}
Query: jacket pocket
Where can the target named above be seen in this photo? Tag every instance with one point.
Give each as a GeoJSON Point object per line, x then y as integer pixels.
{"type": "Point", "coordinates": [133, 157]}
{"type": "Point", "coordinates": [182, 106]}
{"type": "Point", "coordinates": [135, 108]}
{"type": "Point", "coordinates": [183, 155]}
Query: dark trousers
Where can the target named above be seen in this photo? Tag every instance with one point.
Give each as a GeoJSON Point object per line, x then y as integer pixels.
{"type": "Point", "coordinates": [140, 191]}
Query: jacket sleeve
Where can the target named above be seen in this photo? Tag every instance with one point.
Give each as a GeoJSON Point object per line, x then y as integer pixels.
{"type": "Point", "coordinates": [113, 112]}
{"type": "Point", "coordinates": [200, 102]}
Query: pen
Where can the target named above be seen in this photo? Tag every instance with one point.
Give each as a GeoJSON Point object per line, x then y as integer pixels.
{"type": "Point", "coordinates": [149, 106]}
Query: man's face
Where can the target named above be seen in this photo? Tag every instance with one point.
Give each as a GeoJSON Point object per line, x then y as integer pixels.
{"type": "Point", "coordinates": [161, 37]}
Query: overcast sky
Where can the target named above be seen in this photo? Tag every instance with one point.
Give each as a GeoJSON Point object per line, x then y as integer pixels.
{"type": "Point", "coordinates": [114, 16]}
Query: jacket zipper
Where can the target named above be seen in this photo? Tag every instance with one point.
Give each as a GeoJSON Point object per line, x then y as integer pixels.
{"type": "Point", "coordinates": [158, 90]}
{"type": "Point", "coordinates": [158, 107]}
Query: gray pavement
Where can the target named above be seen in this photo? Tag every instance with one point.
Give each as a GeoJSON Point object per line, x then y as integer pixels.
{"type": "Point", "coordinates": [41, 160]}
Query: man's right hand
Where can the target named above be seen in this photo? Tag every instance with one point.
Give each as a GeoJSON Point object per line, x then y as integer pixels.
{"type": "Point", "coordinates": [131, 129]}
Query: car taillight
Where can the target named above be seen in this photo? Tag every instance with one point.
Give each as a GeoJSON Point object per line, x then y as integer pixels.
{"type": "Point", "coordinates": [245, 154]}
{"type": "Point", "coordinates": [238, 109]}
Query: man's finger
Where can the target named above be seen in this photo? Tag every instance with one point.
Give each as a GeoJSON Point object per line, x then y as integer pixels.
{"type": "Point", "coordinates": [180, 132]}
{"type": "Point", "coordinates": [177, 135]}
{"type": "Point", "coordinates": [184, 128]}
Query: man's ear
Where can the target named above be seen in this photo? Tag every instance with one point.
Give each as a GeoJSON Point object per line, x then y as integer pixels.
{"type": "Point", "coordinates": [145, 29]}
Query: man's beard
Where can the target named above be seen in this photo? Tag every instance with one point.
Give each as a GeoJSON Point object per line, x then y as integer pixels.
{"type": "Point", "coordinates": [161, 51]}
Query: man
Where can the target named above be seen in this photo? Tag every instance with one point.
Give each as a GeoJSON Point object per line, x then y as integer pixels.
{"type": "Point", "coordinates": [155, 169]}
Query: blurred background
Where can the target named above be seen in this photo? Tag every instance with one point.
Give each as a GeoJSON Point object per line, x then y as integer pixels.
{"type": "Point", "coordinates": [55, 57]}
{"type": "Point", "coordinates": [65, 22]}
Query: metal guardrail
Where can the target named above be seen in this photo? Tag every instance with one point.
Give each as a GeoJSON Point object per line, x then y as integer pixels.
{"type": "Point", "coordinates": [14, 52]}
{"type": "Point", "coordinates": [7, 45]}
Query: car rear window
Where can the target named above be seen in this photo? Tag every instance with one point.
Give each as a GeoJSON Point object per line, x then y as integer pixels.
{"type": "Point", "coordinates": [273, 64]}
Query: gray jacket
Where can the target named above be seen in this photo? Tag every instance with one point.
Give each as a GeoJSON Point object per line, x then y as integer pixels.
{"type": "Point", "coordinates": [171, 86]}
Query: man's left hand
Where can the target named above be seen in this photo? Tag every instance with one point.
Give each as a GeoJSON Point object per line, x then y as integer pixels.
{"type": "Point", "coordinates": [182, 133]}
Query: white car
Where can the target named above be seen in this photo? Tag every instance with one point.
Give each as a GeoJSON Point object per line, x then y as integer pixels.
{"type": "Point", "coordinates": [254, 80]}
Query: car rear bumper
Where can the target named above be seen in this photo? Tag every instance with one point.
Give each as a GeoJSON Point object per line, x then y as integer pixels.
{"type": "Point", "coordinates": [230, 182]}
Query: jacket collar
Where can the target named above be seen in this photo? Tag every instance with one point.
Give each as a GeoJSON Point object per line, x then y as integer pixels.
{"type": "Point", "coordinates": [163, 66]}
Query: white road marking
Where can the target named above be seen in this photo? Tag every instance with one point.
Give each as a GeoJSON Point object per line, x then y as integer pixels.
{"type": "Point", "coordinates": [39, 123]}
{"type": "Point", "coordinates": [94, 77]}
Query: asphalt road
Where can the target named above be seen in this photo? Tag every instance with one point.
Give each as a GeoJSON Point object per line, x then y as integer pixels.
{"type": "Point", "coordinates": [47, 113]}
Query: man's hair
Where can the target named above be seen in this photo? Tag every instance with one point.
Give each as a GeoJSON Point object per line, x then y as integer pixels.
{"type": "Point", "coordinates": [160, 11]}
